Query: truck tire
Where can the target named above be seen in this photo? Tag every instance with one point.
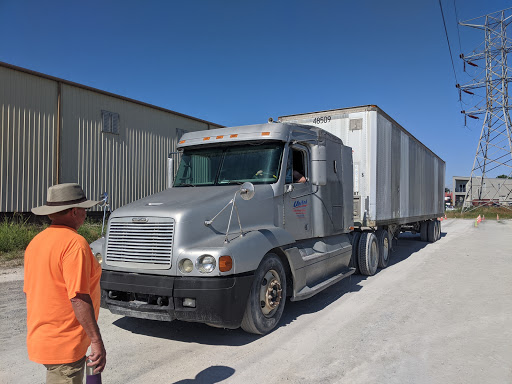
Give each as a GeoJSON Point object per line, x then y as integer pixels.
{"type": "Point", "coordinates": [267, 297]}
{"type": "Point", "coordinates": [424, 231]}
{"type": "Point", "coordinates": [438, 229]}
{"type": "Point", "coordinates": [384, 248]}
{"type": "Point", "coordinates": [431, 231]}
{"type": "Point", "coordinates": [355, 252]}
{"type": "Point", "coordinates": [368, 254]}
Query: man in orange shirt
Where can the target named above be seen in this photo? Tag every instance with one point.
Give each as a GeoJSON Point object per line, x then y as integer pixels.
{"type": "Point", "coordinates": [62, 289]}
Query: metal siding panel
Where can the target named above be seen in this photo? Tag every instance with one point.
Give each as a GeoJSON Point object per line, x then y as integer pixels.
{"type": "Point", "coordinates": [404, 175]}
{"type": "Point", "coordinates": [435, 186]}
{"type": "Point", "coordinates": [383, 166]}
{"type": "Point", "coordinates": [395, 172]}
{"type": "Point", "coordinates": [28, 105]}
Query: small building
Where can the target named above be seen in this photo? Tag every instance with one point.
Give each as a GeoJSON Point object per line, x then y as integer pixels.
{"type": "Point", "coordinates": [56, 131]}
{"type": "Point", "coordinates": [487, 192]}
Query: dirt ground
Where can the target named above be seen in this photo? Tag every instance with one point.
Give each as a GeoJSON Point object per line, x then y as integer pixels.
{"type": "Point", "coordinates": [440, 313]}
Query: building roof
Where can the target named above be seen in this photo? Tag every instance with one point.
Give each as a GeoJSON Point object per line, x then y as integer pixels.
{"type": "Point", "coordinates": [63, 81]}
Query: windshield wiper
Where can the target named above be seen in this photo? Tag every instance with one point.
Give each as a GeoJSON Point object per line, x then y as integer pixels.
{"type": "Point", "coordinates": [186, 185]}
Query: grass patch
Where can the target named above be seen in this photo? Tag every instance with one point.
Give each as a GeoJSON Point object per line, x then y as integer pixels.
{"type": "Point", "coordinates": [16, 232]}
{"type": "Point", "coordinates": [489, 213]}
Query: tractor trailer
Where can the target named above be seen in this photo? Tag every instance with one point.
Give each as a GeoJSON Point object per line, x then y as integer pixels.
{"type": "Point", "coordinates": [261, 214]}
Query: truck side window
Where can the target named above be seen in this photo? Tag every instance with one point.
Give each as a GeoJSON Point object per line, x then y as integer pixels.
{"type": "Point", "coordinates": [295, 169]}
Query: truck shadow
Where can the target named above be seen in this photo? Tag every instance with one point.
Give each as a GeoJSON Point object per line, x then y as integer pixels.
{"type": "Point", "coordinates": [406, 247]}
{"type": "Point", "coordinates": [210, 375]}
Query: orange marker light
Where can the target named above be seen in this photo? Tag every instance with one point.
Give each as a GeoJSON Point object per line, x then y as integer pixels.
{"type": "Point", "coordinates": [219, 137]}
{"type": "Point", "coordinates": [181, 142]}
{"type": "Point", "coordinates": [265, 133]}
{"type": "Point", "coordinates": [225, 263]}
{"type": "Point", "coordinates": [231, 136]}
{"type": "Point", "coordinates": [206, 138]}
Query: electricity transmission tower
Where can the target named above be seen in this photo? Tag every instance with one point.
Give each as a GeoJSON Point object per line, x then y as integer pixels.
{"type": "Point", "coordinates": [494, 151]}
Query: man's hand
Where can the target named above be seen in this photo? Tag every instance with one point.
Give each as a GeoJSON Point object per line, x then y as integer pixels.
{"type": "Point", "coordinates": [98, 356]}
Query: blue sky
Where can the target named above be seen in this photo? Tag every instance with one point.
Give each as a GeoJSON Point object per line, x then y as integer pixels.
{"type": "Point", "coordinates": [241, 62]}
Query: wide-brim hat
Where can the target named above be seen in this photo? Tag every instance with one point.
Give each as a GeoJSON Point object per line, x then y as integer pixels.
{"type": "Point", "coordinates": [64, 196]}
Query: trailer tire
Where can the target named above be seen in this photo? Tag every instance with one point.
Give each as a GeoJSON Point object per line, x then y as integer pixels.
{"type": "Point", "coordinates": [438, 229]}
{"type": "Point", "coordinates": [368, 254]}
{"type": "Point", "coordinates": [424, 231]}
{"type": "Point", "coordinates": [432, 232]}
{"type": "Point", "coordinates": [354, 263]}
{"type": "Point", "coordinates": [384, 248]}
{"type": "Point", "coordinates": [262, 313]}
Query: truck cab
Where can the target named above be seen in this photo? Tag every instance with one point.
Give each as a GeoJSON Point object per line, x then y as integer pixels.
{"type": "Point", "coordinates": [256, 214]}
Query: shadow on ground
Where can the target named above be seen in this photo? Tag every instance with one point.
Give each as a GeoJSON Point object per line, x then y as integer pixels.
{"type": "Point", "coordinates": [403, 248]}
{"type": "Point", "coordinates": [210, 375]}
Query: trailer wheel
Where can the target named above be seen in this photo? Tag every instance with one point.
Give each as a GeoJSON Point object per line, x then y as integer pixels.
{"type": "Point", "coordinates": [355, 252]}
{"type": "Point", "coordinates": [432, 232]}
{"type": "Point", "coordinates": [384, 248]}
{"type": "Point", "coordinates": [368, 254]}
{"type": "Point", "coordinates": [438, 229]}
{"type": "Point", "coordinates": [424, 231]}
{"type": "Point", "coordinates": [267, 297]}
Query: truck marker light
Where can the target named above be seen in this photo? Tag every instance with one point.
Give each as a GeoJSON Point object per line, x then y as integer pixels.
{"type": "Point", "coordinates": [232, 136]}
{"type": "Point", "coordinates": [188, 302]}
{"type": "Point", "coordinates": [225, 263]}
{"type": "Point", "coordinates": [265, 133]}
{"type": "Point", "coordinates": [181, 142]}
{"type": "Point", "coordinates": [206, 138]}
{"type": "Point", "coordinates": [220, 137]}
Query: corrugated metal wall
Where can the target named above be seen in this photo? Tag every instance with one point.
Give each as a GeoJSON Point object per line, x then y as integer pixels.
{"type": "Point", "coordinates": [128, 165]}
{"type": "Point", "coordinates": [28, 139]}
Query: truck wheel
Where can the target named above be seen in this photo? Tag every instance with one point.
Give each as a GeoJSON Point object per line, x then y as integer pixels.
{"type": "Point", "coordinates": [267, 297]}
{"type": "Point", "coordinates": [384, 249]}
{"type": "Point", "coordinates": [355, 251]}
{"type": "Point", "coordinates": [431, 232]}
{"type": "Point", "coordinates": [424, 231]}
{"type": "Point", "coordinates": [368, 254]}
{"type": "Point", "coordinates": [438, 229]}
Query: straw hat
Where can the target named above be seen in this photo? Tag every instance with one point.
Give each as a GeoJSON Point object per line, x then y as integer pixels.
{"type": "Point", "coordinates": [63, 196]}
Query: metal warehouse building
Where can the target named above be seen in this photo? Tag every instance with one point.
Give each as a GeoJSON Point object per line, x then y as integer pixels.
{"type": "Point", "coordinates": [55, 131]}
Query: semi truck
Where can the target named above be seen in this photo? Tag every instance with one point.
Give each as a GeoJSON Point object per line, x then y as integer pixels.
{"type": "Point", "coordinates": [257, 215]}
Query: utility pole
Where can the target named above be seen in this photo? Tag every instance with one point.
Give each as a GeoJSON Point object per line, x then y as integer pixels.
{"type": "Point", "coordinates": [494, 151]}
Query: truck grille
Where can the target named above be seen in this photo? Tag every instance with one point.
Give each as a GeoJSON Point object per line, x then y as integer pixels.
{"type": "Point", "coordinates": [140, 242]}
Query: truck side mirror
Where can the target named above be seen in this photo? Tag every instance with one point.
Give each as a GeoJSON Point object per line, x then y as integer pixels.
{"type": "Point", "coordinates": [318, 165]}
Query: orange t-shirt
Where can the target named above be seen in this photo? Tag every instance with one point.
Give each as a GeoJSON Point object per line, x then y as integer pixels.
{"type": "Point", "coordinates": [58, 264]}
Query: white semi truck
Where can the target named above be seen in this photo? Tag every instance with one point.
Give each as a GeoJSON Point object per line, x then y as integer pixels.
{"type": "Point", "coordinates": [261, 214]}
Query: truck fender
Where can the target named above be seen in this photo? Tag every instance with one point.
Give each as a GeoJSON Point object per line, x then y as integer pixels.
{"type": "Point", "coordinates": [249, 250]}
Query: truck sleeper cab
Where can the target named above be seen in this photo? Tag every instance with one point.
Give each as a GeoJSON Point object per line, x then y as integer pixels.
{"type": "Point", "coordinates": [200, 252]}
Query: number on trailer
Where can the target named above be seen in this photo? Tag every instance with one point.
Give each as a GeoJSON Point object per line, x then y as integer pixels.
{"type": "Point", "coordinates": [321, 119]}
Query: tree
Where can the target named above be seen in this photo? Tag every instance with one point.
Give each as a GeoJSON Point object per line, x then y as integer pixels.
{"type": "Point", "coordinates": [503, 177]}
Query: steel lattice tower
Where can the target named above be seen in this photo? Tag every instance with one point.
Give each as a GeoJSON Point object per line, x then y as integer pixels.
{"type": "Point", "coordinates": [494, 150]}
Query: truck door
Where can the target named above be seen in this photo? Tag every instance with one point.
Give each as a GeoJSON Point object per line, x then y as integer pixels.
{"type": "Point", "coordinates": [297, 195]}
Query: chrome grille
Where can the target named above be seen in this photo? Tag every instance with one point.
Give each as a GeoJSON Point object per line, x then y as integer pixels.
{"type": "Point", "coordinates": [140, 242]}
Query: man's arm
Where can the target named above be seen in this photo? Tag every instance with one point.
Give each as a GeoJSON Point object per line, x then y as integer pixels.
{"type": "Point", "coordinates": [84, 312]}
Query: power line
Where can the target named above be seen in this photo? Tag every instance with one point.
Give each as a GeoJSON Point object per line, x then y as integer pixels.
{"type": "Point", "coordinates": [448, 40]}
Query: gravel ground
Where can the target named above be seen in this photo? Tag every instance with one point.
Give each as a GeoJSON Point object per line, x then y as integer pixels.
{"type": "Point", "coordinates": [440, 313]}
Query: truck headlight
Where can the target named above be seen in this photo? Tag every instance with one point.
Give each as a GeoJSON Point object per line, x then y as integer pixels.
{"type": "Point", "coordinates": [186, 265]}
{"type": "Point", "coordinates": [99, 257]}
{"type": "Point", "coordinates": [206, 263]}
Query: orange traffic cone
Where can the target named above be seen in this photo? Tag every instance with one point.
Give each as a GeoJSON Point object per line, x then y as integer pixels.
{"type": "Point", "coordinates": [497, 217]}
{"type": "Point", "coordinates": [483, 217]}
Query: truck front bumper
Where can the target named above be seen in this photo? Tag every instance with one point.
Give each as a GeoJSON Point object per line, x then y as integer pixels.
{"type": "Point", "coordinates": [219, 301]}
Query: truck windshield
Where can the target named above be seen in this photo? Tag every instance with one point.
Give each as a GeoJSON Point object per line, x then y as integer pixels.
{"type": "Point", "coordinates": [257, 163]}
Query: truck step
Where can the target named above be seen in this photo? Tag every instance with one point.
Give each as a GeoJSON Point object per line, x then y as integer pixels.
{"type": "Point", "coordinates": [307, 292]}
